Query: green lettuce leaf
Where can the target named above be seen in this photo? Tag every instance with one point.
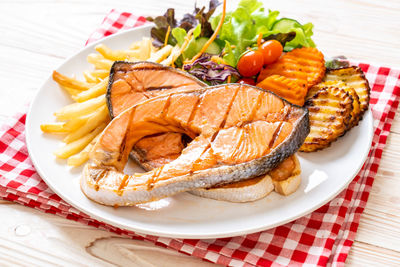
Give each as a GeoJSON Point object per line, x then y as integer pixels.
{"type": "Point", "coordinates": [192, 48]}
{"type": "Point", "coordinates": [242, 26]}
{"type": "Point", "coordinates": [229, 56]}
{"type": "Point", "coordinates": [179, 34]}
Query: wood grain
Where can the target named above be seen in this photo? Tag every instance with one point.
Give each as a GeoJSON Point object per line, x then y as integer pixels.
{"type": "Point", "coordinates": [37, 37]}
{"type": "Point", "coordinates": [127, 252]}
{"type": "Point", "coordinates": [363, 254]}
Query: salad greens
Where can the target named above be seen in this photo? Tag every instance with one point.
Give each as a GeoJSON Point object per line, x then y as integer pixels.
{"type": "Point", "coordinates": [211, 72]}
{"type": "Point", "coordinates": [337, 62]}
{"type": "Point", "coordinates": [240, 30]}
{"type": "Point", "coordinates": [242, 27]}
{"type": "Point", "coordinates": [199, 18]}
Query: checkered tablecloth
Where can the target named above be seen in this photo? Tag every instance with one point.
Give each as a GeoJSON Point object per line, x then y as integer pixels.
{"type": "Point", "coordinates": [319, 238]}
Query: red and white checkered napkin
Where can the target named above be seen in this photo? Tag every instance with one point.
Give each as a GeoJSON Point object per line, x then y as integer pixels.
{"type": "Point", "coordinates": [320, 238]}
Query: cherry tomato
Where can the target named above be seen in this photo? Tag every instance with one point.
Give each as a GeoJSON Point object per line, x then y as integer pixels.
{"type": "Point", "coordinates": [250, 63]}
{"type": "Point", "coordinates": [249, 81]}
{"type": "Point", "coordinates": [271, 51]}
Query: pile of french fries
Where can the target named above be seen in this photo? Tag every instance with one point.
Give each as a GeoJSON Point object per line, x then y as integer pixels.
{"type": "Point", "coordinates": [83, 121]}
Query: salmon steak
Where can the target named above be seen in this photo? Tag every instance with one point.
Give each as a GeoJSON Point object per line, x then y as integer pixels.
{"type": "Point", "coordinates": [133, 82]}
{"type": "Point", "coordinates": [238, 132]}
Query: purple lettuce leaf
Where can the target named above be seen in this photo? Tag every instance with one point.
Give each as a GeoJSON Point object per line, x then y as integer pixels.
{"type": "Point", "coordinates": [211, 72]}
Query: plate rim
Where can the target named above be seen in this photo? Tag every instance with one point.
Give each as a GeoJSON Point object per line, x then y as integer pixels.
{"type": "Point", "coordinates": [263, 226]}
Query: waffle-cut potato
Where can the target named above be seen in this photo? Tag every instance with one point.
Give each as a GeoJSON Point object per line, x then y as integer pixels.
{"type": "Point", "coordinates": [312, 63]}
{"type": "Point", "coordinates": [284, 87]}
{"type": "Point", "coordinates": [288, 68]}
{"type": "Point", "coordinates": [356, 112]}
{"type": "Point", "coordinates": [304, 65]}
{"type": "Point", "coordinates": [329, 113]}
{"type": "Point", "coordinates": [353, 77]}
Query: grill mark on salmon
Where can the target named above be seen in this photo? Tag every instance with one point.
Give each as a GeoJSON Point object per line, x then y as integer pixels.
{"type": "Point", "coordinates": [160, 88]}
{"type": "Point", "coordinates": [99, 176]}
{"type": "Point", "coordinates": [140, 78]}
{"type": "Point", "coordinates": [123, 184]}
{"type": "Point", "coordinates": [152, 88]}
{"type": "Point", "coordinates": [197, 166]}
{"type": "Point", "coordinates": [256, 107]}
{"type": "Point", "coordinates": [278, 132]}
{"type": "Point", "coordinates": [150, 183]}
{"type": "Point", "coordinates": [228, 110]}
{"type": "Point", "coordinates": [212, 110]}
{"type": "Point", "coordinates": [129, 81]}
{"type": "Point", "coordinates": [207, 158]}
{"type": "Point", "coordinates": [126, 70]}
{"type": "Point", "coordinates": [275, 135]}
{"type": "Point", "coordinates": [221, 126]}
{"type": "Point", "coordinates": [239, 112]}
{"type": "Point", "coordinates": [155, 67]}
{"type": "Point", "coordinates": [129, 130]}
{"type": "Point", "coordinates": [195, 108]}
{"type": "Point", "coordinates": [166, 107]}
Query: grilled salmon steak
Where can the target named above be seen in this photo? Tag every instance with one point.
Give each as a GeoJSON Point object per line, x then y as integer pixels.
{"type": "Point", "coordinates": [131, 83]}
{"type": "Point", "coordinates": [238, 131]}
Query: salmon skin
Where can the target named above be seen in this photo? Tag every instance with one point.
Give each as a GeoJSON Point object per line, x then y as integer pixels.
{"type": "Point", "coordinates": [238, 131]}
{"type": "Point", "coordinates": [133, 82]}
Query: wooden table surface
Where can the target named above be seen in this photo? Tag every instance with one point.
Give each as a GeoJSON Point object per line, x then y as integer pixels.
{"type": "Point", "coordinates": [37, 36]}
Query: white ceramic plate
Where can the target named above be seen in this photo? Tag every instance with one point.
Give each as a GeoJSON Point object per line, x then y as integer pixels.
{"type": "Point", "coordinates": [324, 175]}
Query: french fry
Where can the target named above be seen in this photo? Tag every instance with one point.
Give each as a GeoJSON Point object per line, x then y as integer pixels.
{"type": "Point", "coordinates": [145, 49]}
{"type": "Point", "coordinates": [83, 156]}
{"type": "Point", "coordinates": [100, 74]}
{"type": "Point", "coordinates": [99, 61]}
{"type": "Point", "coordinates": [54, 128]}
{"type": "Point", "coordinates": [153, 48]}
{"type": "Point", "coordinates": [175, 53]}
{"type": "Point", "coordinates": [89, 77]}
{"type": "Point", "coordinates": [94, 57]}
{"type": "Point", "coordinates": [134, 55]}
{"type": "Point", "coordinates": [98, 89]}
{"type": "Point", "coordinates": [82, 121]}
{"type": "Point", "coordinates": [75, 123]}
{"type": "Point", "coordinates": [142, 53]}
{"type": "Point", "coordinates": [80, 109]}
{"type": "Point", "coordinates": [161, 54]}
{"type": "Point", "coordinates": [71, 91]}
{"type": "Point", "coordinates": [76, 146]}
{"type": "Point", "coordinates": [110, 54]}
{"type": "Point", "coordinates": [135, 45]}
{"type": "Point", "coordinates": [70, 82]}
{"type": "Point", "coordinates": [95, 119]}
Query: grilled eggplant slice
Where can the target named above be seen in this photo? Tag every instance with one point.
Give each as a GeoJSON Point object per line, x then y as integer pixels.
{"type": "Point", "coordinates": [330, 113]}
